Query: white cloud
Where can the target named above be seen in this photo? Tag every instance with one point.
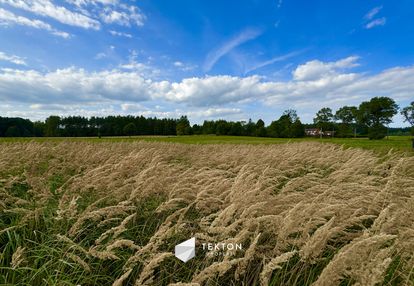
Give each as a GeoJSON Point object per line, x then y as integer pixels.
{"type": "Point", "coordinates": [68, 86]}
{"type": "Point", "coordinates": [12, 59]}
{"type": "Point", "coordinates": [52, 106]}
{"type": "Point", "coordinates": [135, 66]}
{"type": "Point", "coordinates": [216, 54]}
{"type": "Point", "coordinates": [144, 69]}
{"type": "Point", "coordinates": [47, 9]}
{"type": "Point", "coordinates": [125, 16]}
{"type": "Point", "coordinates": [199, 114]}
{"type": "Point", "coordinates": [178, 64]}
{"type": "Point", "coordinates": [120, 34]}
{"type": "Point", "coordinates": [81, 3]}
{"type": "Point", "coordinates": [213, 113]}
{"type": "Point", "coordinates": [371, 14]}
{"type": "Point", "coordinates": [215, 90]}
{"type": "Point", "coordinates": [374, 22]}
{"type": "Point", "coordinates": [112, 12]}
{"type": "Point", "coordinates": [8, 18]}
{"type": "Point", "coordinates": [313, 84]}
{"type": "Point", "coordinates": [100, 56]}
{"type": "Point", "coordinates": [132, 107]}
{"type": "Point", "coordinates": [316, 69]}
{"type": "Point", "coordinates": [41, 111]}
{"type": "Point", "coordinates": [183, 66]}
{"type": "Point", "coordinates": [377, 22]}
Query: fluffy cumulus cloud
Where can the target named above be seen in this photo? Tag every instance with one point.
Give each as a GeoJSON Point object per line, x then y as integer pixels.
{"type": "Point", "coordinates": [71, 86]}
{"type": "Point", "coordinates": [215, 90]}
{"type": "Point", "coordinates": [312, 83]}
{"type": "Point", "coordinates": [316, 69]}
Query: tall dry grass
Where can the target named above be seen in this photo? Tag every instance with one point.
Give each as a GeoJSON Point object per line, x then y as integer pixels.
{"type": "Point", "coordinates": [111, 213]}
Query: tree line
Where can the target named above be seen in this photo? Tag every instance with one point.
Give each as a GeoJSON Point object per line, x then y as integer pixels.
{"type": "Point", "coordinates": [79, 126]}
{"type": "Point", "coordinates": [369, 119]}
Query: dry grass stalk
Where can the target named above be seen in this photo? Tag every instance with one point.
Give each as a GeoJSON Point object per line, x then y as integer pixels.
{"type": "Point", "coordinates": [103, 255]}
{"type": "Point", "coordinates": [146, 276]}
{"type": "Point", "coordinates": [215, 269]}
{"type": "Point", "coordinates": [120, 280]}
{"type": "Point", "coordinates": [364, 260]}
{"type": "Point", "coordinates": [121, 243]}
{"type": "Point", "coordinates": [302, 196]}
{"type": "Point", "coordinates": [80, 261]}
{"type": "Point", "coordinates": [272, 265]}
{"type": "Point", "coordinates": [18, 258]}
{"type": "Point", "coordinates": [184, 284]}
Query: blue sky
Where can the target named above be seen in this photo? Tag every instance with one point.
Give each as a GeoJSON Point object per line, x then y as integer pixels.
{"type": "Point", "coordinates": [208, 59]}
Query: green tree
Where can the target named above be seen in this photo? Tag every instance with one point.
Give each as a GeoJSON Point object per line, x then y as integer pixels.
{"type": "Point", "coordinates": [222, 127]}
{"type": "Point", "coordinates": [197, 129]}
{"type": "Point", "coordinates": [324, 119]}
{"type": "Point", "coordinates": [347, 115]}
{"type": "Point", "coordinates": [408, 113]}
{"type": "Point", "coordinates": [249, 128]}
{"type": "Point", "coordinates": [52, 126]}
{"type": "Point", "coordinates": [209, 127]}
{"type": "Point", "coordinates": [287, 126]}
{"type": "Point", "coordinates": [18, 127]}
{"type": "Point", "coordinates": [183, 126]}
{"type": "Point", "coordinates": [377, 132]}
{"type": "Point", "coordinates": [260, 128]}
{"type": "Point", "coordinates": [236, 129]}
{"type": "Point", "coordinates": [130, 129]}
{"type": "Point", "coordinates": [38, 128]}
{"type": "Point", "coordinates": [298, 129]}
{"type": "Point", "coordinates": [292, 114]}
{"type": "Point", "coordinates": [13, 131]}
{"type": "Point", "coordinates": [377, 113]}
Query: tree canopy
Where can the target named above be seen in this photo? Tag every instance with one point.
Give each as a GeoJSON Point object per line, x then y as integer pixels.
{"type": "Point", "coordinates": [376, 113]}
{"type": "Point", "coordinates": [408, 113]}
{"type": "Point", "coordinates": [369, 119]}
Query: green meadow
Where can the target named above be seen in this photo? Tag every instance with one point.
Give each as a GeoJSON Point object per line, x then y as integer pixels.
{"type": "Point", "coordinates": [396, 143]}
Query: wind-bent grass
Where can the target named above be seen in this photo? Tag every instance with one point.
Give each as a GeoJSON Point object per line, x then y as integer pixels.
{"type": "Point", "coordinates": [78, 213]}
{"type": "Point", "coordinates": [396, 143]}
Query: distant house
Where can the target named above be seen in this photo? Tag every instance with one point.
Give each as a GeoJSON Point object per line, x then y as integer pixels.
{"type": "Point", "coordinates": [315, 132]}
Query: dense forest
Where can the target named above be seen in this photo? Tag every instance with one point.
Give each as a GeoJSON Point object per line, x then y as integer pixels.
{"type": "Point", "coordinates": [368, 120]}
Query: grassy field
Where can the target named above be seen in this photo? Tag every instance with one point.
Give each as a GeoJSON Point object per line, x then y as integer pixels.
{"type": "Point", "coordinates": [73, 212]}
{"type": "Point", "coordinates": [397, 143]}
